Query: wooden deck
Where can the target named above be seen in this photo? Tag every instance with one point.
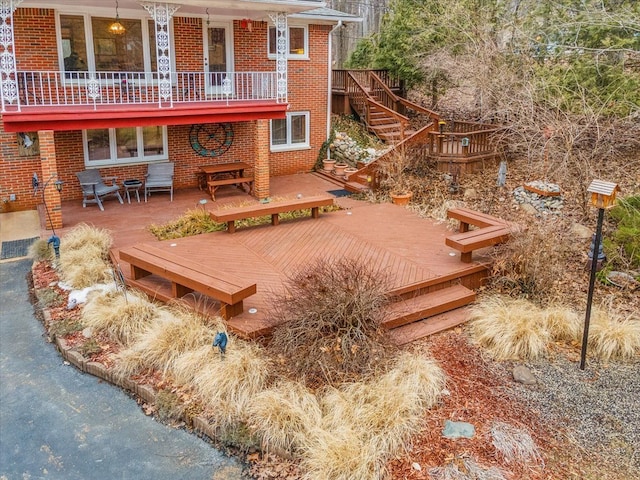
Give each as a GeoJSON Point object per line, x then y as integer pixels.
{"type": "Point", "coordinates": [389, 238]}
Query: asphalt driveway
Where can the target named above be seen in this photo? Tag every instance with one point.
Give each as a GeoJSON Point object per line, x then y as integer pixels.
{"type": "Point", "coordinates": [59, 423]}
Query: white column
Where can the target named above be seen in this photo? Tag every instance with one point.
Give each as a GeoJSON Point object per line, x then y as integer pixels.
{"type": "Point", "coordinates": [8, 74]}
{"type": "Point", "coordinates": [161, 14]}
{"type": "Point", "coordinates": [282, 50]}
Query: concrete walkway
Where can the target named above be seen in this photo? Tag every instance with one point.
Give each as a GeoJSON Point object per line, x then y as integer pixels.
{"type": "Point", "coordinates": [58, 423]}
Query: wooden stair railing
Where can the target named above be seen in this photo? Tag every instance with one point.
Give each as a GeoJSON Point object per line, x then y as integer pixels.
{"type": "Point", "coordinates": [369, 176]}
{"type": "Point", "coordinates": [384, 114]}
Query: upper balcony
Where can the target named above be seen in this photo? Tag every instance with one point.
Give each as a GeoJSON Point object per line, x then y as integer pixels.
{"type": "Point", "coordinates": [56, 100]}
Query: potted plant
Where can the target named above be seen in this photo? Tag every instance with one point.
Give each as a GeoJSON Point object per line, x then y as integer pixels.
{"type": "Point", "coordinates": [339, 168]}
{"type": "Point", "coordinates": [328, 164]}
{"type": "Point", "coordinates": [394, 176]}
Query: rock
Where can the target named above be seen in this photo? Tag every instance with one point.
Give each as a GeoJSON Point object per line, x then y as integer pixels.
{"type": "Point", "coordinates": [580, 231]}
{"type": "Point", "coordinates": [416, 466]}
{"type": "Point", "coordinates": [528, 209]}
{"type": "Point", "coordinates": [87, 332]}
{"type": "Point", "coordinates": [455, 430]}
{"type": "Point", "coordinates": [522, 374]}
{"type": "Point", "coordinates": [470, 194]}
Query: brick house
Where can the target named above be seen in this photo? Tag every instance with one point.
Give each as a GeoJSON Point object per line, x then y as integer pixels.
{"type": "Point", "coordinates": [116, 86]}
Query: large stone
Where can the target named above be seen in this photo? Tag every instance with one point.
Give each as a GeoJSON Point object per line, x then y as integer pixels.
{"type": "Point", "coordinates": [470, 194]}
{"type": "Point", "coordinates": [529, 209]}
{"type": "Point", "coordinates": [522, 374]}
{"type": "Point", "coordinates": [455, 430]}
{"type": "Point", "coordinates": [581, 231]}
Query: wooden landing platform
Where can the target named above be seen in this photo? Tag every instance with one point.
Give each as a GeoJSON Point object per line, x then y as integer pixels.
{"type": "Point", "coordinates": [388, 238]}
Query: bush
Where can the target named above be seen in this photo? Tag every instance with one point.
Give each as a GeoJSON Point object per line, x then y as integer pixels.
{"type": "Point", "coordinates": [122, 318]}
{"type": "Point", "coordinates": [84, 254]}
{"type": "Point", "coordinates": [41, 250]}
{"type": "Point", "coordinates": [623, 246]}
{"type": "Point", "coordinates": [328, 318]}
{"type": "Point", "coordinates": [193, 222]}
{"type": "Point", "coordinates": [612, 336]}
{"type": "Point", "coordinates": [510, 328]}
{"type": "Point", "coordinates": [533, 261]}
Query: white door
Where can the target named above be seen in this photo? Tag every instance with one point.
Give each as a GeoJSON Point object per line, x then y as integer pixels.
{"type": "Point", "coordinates": [218, 57]}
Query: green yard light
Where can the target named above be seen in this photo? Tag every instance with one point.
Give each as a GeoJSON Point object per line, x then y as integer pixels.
{"type": "Point", "coordinates": [603, 196]}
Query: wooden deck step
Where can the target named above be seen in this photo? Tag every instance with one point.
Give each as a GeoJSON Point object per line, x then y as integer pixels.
{"type": "Point", "coordinates": [429, 326]}
{"type": "Point", "coordinates": [427, 305]}
{"type": "Point", "coordinates": [158, 288]}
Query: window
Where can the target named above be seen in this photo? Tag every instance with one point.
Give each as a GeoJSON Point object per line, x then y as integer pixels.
{"type": "Point", "coordinates": [114, 146]}
{"type": "Point", "coordinates": [298, 42]}
{"type": "Point", "coordinates": [291, 133]}
{"type": "Point", "coordinates": [86, 44]}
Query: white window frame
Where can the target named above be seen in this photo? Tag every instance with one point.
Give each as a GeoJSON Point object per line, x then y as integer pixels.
{"type": "Point", "coordinates": [290, 56]}
{"type": "Point", "coordinates": [88, 31]}
{"type": "Point", "coordinates": [113, 159]}
{"type": "Point", "coordinates": [289, 146]}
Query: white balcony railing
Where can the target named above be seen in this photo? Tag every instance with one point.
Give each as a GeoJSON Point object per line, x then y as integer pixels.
{"type": "Point", "coordinates": [54, 88]}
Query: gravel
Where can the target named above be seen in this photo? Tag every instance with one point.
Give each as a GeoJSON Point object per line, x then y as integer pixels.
{"type": "Point", "coordinates": [599, 407]}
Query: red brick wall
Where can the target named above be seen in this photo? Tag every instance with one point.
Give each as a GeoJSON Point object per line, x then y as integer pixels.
{"type": "Point", "coordinates": [35, 44]}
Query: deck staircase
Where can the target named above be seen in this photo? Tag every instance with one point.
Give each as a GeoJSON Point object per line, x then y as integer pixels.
{"type": "Point", "coordinates": [417, 315]}
{"type": "Point", "coordinates": [384, 115]}
{"type": "Point", "coordinates": [456, 147]}
{"type": "Point", "coordinates": [416, 311]}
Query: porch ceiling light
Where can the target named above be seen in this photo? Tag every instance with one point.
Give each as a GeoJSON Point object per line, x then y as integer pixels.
{"type": "Point", "coordinates": [116, 27]}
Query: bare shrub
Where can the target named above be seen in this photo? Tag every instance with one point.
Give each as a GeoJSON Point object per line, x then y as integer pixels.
{"type": "Point", "coordinates": [84, 253]}
{"type": "Point", "coordinates": [227, 386]}
{"type": "Point", "coordinates": [40, 250]}
{"type": "Point", "coordinates": [534, 260]}
{"type": "Point", "coordinates": [162, 343]}
{"type": "Point", "coordinates": [339, 455]}
{"type": "Point", "coordinates": [514, 444]}
{"type": "Point", "coordinates": [613, 336]}
{"type": "Point", "coordinates": [169, 405]}
{"type": "Point", "coordinates": [284, 415]}
{"type": "Point", "coordinates": [510, 328]}
{"type": "Point", "coordinates": [193, 222]}
{"type": "Point", "coordinates": [83, 235]}
{"type": "Point", "coordinates": [122, 318]}
{"type": "Point", "coordinates": [563, 323]}
{"type": "Point", "coordinates": [366, 423]}
{"type": "Point", "coordinates": [190, 363]}
{"type": "Point", "coordinates": [329, 317]}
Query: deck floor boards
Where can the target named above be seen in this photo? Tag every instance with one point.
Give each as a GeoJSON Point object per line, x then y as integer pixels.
{"type": "Point", "coordinates": [390, 239]}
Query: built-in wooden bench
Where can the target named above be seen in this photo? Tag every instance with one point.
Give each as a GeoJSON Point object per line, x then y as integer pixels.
{"type": "Point", "coordinates": [187, 276]}
{"type": "Point", "coordinates": [231, 214]}
{"type": "Point", "coordinates": [213, 185]}
{"type": "Point", "coordinates": [491, 231]}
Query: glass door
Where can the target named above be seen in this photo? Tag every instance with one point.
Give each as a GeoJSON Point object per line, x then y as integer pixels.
{"type": "Point", "coordinates": [217, 58]}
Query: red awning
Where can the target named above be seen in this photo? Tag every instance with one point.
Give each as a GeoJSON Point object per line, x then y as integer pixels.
{"type": "Point", "coordinates": [84, 117]}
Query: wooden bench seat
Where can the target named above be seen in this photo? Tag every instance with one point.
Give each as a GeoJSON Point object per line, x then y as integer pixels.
{"type": "Point", "coordinates": [492, 231]}
{"type": "Point", "coordinates": [187, 276]}
{"type": "Point", "coordinates": [231, 214]}
{"type": "Point", "coordinates": [213, 185]}
{"type": "Point", "coordinates": [469, 217]}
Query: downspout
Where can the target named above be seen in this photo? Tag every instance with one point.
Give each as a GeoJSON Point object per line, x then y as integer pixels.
{"type": "Point", "coordinates": [329, 82]}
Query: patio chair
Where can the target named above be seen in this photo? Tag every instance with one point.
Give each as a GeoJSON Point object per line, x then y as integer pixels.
{"type": "Point", "coordinates": [94, 187]}
{"type": "Point", "coordinates": [159, 178]}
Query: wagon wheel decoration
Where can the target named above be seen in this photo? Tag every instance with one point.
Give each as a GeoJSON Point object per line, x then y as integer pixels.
{"type": "Point", "coordinates": [211, 139]}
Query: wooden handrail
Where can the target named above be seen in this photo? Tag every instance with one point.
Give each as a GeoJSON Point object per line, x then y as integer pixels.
{"type": "Point", "coordinates": [398, 116]}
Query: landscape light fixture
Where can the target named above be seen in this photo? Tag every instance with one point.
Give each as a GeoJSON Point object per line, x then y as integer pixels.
{"type": "Point", "coordinates": [603, 195]}
{"type": "Point", "coordinates": [54, 239]}
{"type": "Point", "coordinates": [116, 27]}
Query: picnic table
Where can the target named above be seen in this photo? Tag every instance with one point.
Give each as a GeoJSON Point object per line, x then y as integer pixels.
{"type": "Point", "coordinates": [213, 177]}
